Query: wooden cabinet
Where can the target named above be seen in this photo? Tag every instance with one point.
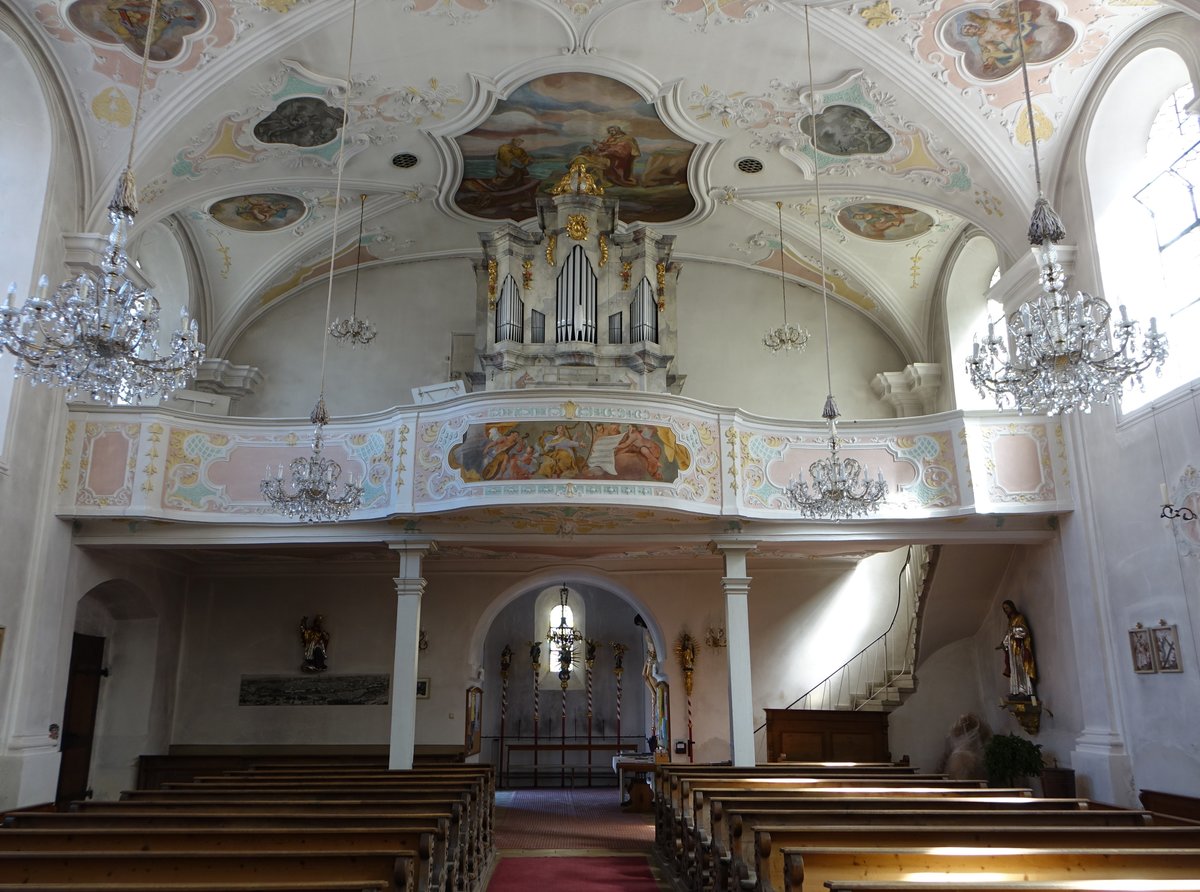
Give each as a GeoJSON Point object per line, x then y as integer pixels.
{"type": "Point", "coordinates": [826, 735]}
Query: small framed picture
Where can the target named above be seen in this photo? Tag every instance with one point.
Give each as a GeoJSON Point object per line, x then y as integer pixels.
{"type": "Point", "coordinates": [422, 688]}
{"type": "Point", "coordinates": [1142, 648]}
{"type": "Point", "coordinates": [1166, 648]}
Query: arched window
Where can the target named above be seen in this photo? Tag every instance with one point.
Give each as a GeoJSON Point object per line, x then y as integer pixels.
{"type": "Point", "coordinates": [547, 612]}
{"type": "Point", "coordinates": [1143, 163]}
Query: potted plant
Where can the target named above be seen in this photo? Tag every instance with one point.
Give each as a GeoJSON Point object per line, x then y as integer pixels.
{"type": "Point", "coordinates": [1008, 757]}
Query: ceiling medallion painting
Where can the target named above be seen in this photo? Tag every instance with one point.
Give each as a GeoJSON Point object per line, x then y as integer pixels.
{"type": "Point", "coordinates": [304, 121]}
{"type": "Point", "coordinates": [985, 39]}
{"type": "Point", "coordinates": [300, 119]}
{"type": "Point", "coordinates": [845, 130]}
{"type": "Point", "coordinates": [258, 212]}
{"type": "Point", "coordinates": [585, 450]}
{"type": "Point", "coordinates": [124, 22]}
{"type": "Point", "coordinates": [881, 222]}
{"type": "Point", "coordinates": [531, 139]}
{"type": "Point", "coordinates": [860, 130]}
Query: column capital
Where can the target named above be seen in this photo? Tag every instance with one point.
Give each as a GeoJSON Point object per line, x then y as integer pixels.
{"type": "Point", "coordinates": [732, 544]}
{"type": "Point", "coordinates": [411, 552]}
{"type": "Point", "coordinates": [734, 549]}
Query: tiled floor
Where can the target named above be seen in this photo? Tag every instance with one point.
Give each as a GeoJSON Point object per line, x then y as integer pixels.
{"type": "Point", "coordinates": [569, 821]}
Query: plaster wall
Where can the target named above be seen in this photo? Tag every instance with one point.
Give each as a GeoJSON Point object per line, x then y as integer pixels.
{"type": "Point", "coordinates": [948, 686]}
{"type": "Point", "coordinates": [32, 548]}
{"type": "Point", "coordinates": [716, 322]}
{"type": "Point", "coordinates": [237, 625]}
{"type": "Point", "coordinates": [415, 307]}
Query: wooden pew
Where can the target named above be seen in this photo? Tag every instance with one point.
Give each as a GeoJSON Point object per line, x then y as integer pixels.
{"type": "Point", "coordinates": [808, 868]}
{"type": "Point", "coordinates": [477, 844]}
{"type": "Point", "coordinates": [263, 886]}
{"type": "Point", "coordinates": [428, 852]}
{"type": "Point", "coordinates": [678, 832]}
{"type": "Point", "coordinates": [380, 870]}
{"type": "Point", "coordinates": [1140, 883]}
{"type": "Point", "coordinates": [459, 837]}
{"type": "Point", "coordinates": [729, 857]}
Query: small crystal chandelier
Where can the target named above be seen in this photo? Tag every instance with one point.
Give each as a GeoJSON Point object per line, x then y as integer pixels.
{"type": "Point", "coordinates": [312, 491]}
{"type": "Point", "coordinates": [840, 488]}
{"type": "Point", "coordinates": [563, 638]}
{"type": "Point", "coordinates": [1064, 355]}
{"type": "Point", "coordinates": [355, 331]}
{"type": "Point", "coordinates": [788, 336]}
{"type": "Point", "coordinates": [98, 334]}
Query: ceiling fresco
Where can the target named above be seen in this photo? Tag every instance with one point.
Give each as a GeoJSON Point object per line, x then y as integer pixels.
{"type": "Point", "coordinates": [533, 136]}
{"type": "Point", "coordinates": [921, 131]}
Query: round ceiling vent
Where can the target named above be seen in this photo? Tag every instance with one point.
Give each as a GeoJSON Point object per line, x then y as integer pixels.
{"type": "Point", "coordinates": [405, 160]}
{"type": "Point", "coordinates": [749, 165]}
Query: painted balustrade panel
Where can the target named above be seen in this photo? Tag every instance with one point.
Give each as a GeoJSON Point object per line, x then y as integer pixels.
{"type": "Point", "coordinates": [497, 449]}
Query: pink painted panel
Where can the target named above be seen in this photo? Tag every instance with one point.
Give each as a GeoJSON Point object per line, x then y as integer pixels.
{"type": "Point", "coordinates": [796, 460]}
{"type": "Point", "coordinates": [1018, 463]}
{"type": "Point", "coordinates": [109, 463]}
{"type": "Point", "coordinates": [244, 468]}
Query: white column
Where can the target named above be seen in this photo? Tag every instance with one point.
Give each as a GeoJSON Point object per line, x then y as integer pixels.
{"type": "Point", "coordinates": [736, 585]}
{"type": "Point", "coordinates": [410, 586]}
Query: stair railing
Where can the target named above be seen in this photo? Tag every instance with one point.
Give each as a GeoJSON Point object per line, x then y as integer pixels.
{"type": "Point", "coordinates": [867, 675]}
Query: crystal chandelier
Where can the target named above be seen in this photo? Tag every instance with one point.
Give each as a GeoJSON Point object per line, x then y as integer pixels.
{"type": "Point", "coordinates": [312, 491]}
{"type": "Point", "coordinates": [355, 331]}
{"type": "Point", "coordinates": [788, 336]}
{"type": "Point", "coordinates": [98, 334]}
{"type": "Point", "coordinates": [1062, 352]}
{"type": "Point", "coordinates": [839, 488]}
{"type": "Point", "coordinates": [563, 638]}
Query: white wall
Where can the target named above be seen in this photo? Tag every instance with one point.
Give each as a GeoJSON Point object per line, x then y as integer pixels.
{"type": "Point", "coordinates": [720, 349]}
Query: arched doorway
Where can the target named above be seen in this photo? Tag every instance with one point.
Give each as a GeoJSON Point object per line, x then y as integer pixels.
{"type": "Point", "coordinates": [545, 730]}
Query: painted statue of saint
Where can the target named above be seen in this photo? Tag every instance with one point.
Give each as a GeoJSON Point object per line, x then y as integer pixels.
{"type": "Point", "coordinates": [1020, 668]}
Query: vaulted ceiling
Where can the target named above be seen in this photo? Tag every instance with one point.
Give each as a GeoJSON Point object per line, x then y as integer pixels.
{"type": "Point", "coordinates": [921, 130]}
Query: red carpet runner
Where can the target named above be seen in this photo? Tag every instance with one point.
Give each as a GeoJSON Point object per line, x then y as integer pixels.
{"type": "Point", "coordinates": [628, 873]}
{"type": "Point", "coordinates": [572, 840]}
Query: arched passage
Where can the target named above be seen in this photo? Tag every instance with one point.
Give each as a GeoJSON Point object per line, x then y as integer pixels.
{"type": "Point", "coordinates": [532, 721]}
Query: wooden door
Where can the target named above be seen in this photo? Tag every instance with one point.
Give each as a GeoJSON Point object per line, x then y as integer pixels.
{"type": "Point", "coordinates": [79, 717]}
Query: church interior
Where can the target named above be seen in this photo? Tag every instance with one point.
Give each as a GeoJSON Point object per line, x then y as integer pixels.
{"type": "Point", "coordinates": [768, 234]}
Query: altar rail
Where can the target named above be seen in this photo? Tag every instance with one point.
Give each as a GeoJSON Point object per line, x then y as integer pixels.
{"type": "Point", "coordinates": [596, 449]}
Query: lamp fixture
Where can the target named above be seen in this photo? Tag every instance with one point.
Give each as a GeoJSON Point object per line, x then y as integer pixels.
{"type": "Point", "coordinates": [355, 331]}
{"type": "Point", "coordinates": [563, 638]}
{"type": "Point", "coordinates": [98, 334]}
{"type": "Point", "coordinates": [1061, 354]}
{"type": "Point", "coordinates": [312, 493]}
{"type": "Point", "coordinates": [789, 335]}
{"type": "Point", "coordinates": [838, 488]}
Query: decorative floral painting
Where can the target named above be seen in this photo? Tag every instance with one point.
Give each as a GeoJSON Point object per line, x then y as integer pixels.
{"type": "Point", "coordinates": [258, 212]}
{"type": "Point", "coordinates": [986, 37]}
{"type": "Point", "coordinates": [525, 450]}
{"type": "Point", "coordinates": [530, 140]}
{"type": "Point", "coordinates": [884, 222]}
{"type": "Point", "coordinates": [305, 121]}
{"type": "Point", "coordinates": [124, 22]}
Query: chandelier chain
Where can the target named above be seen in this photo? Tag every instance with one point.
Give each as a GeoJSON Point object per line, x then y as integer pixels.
{"type": "Point", "coordinates": [841, 488]}
{"type": "Point", "coordinates": [789, 335]}
{"type": "Point", "coordinates": [337, 194]}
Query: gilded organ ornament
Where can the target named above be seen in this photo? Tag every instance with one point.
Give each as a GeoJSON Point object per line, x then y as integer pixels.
{"type": "Point", "coordinates": [577, 227]}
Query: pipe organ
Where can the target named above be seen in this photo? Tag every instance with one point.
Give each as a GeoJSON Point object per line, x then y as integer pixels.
{"type": "Point", "coordinates": [608, 289]}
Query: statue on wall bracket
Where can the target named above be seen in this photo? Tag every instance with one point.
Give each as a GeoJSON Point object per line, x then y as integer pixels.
{"type": "Point", "coordinates": [315, 641]}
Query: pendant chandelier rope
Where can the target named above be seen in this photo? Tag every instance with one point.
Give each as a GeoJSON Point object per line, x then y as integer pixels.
{"type": "Point", "coordinates": [788, 336]}
{"type": "Point", "coordinates": [838, 488]}
{"type": "Point", "coordinates": [313, 491]}
{"type": "Point", "coordinates": [1062, 353]}
{"type": "Point", "coordinates": [98, 334]}
{"type": "Point", "coordinates": [355, 331]}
